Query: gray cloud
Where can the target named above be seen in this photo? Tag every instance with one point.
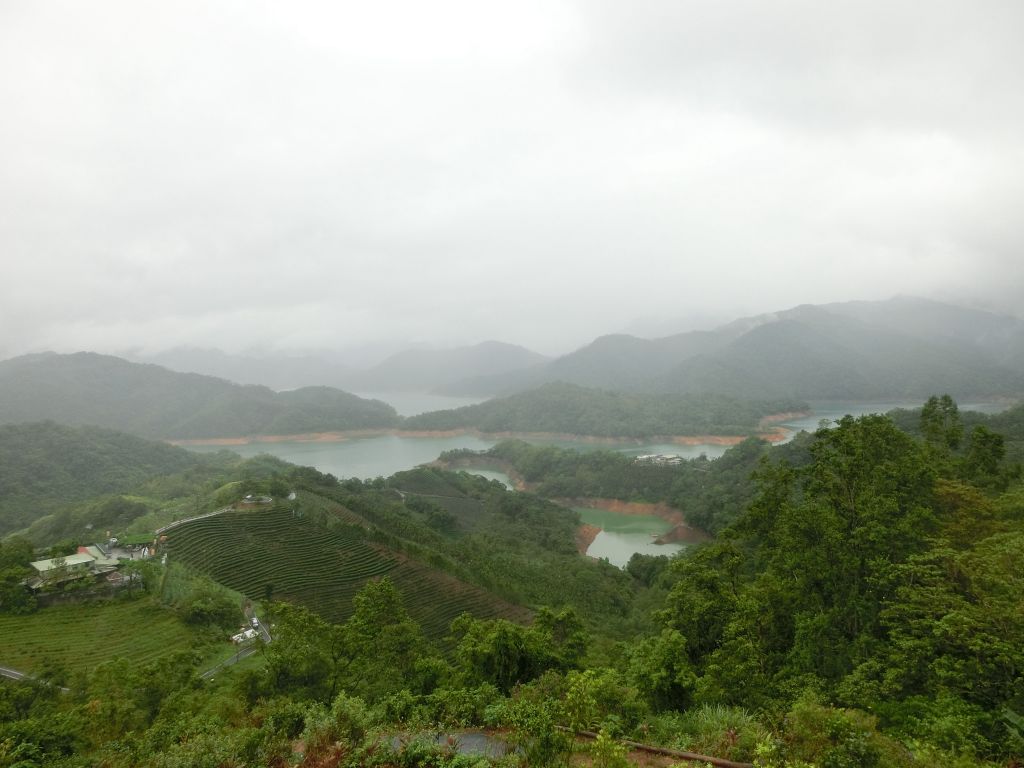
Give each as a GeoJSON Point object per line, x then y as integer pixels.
{"type": "Point", "coordinates": [322, 175]}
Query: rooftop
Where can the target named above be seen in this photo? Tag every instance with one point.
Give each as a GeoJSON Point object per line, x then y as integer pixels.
{"type": "Point", "coordinates": [55, 562]}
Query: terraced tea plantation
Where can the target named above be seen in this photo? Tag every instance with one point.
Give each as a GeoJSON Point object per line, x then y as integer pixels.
{"type": "Point", "coordinates": [81, 636]}
{"type": "Point", "coordinates": [322, 568]}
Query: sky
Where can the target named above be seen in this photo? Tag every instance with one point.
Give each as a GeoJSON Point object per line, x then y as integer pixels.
{"type": "Point", "coordinates": [313, 175]}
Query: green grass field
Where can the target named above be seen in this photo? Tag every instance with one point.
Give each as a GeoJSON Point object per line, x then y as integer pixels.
{"type": "Point", "coordinates": [81, 636]}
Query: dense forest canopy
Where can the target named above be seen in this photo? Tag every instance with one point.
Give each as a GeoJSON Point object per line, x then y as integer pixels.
{"type": "Point", "coordinates": [571, 409]}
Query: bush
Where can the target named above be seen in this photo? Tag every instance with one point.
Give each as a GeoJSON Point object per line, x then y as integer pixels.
{"type": "Point", "coordinates": [839, 738]}
{"type": "Point", "coordinates": [714, 729]}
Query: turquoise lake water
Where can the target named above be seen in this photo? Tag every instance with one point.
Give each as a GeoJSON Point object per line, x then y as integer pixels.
{"type": "Point", "coordinates": [623, 535]}
{"type": "Point", "coordinates": [384, 455]}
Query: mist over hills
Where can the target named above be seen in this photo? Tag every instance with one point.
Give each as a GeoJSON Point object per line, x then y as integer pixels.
{"type": "Point", "coordinates": [422, 370]}
{"type": "Point", "coordinates": [409, 370]}
{"type": "Point", "coordinates": [276, 371]}
{"type": "Point", "coordinates": [150, 401]}
{"type": "Point", "coordinates": [903, 347]}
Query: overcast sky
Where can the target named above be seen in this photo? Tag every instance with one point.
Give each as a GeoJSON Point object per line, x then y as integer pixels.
{"type": "Point", "coordinates": [303, 175]}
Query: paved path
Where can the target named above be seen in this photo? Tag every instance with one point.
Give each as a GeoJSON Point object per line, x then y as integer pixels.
{"type": "Point", "coordinates": [14, 674]}
{"type": "Point", "coordinates": [176, 523]}
{"type": "Point", "coordinates": [243, 653]}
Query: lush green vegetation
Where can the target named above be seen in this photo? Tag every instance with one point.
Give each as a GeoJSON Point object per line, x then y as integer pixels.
{"type": "Point", "coordinates": [711, 493]}
{"type": "Point", "coordinates": [77, 637]}
{"type": "Point", "coordinates": [514, 545]}
{"type": "Point", "coordinates": [575, 410]}
{"type": "Point", "coordinates": [48, 466]}
{"type": "Point", "coordinates": [150, 401]}
{"type": "Point", "coordinates": [879, 576]}
{"type": "Point", "coordinates": [322, 561]}
{"type": "Point", "coordinates": [975, 429]}
{"type": "Point", "coordinates": [863, 608]}
{"type": "Point", "coordinates": [74, 484]}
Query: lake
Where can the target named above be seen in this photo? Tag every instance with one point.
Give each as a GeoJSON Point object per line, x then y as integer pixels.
{"type": "Point", "coordinates": [363, 457]}
{"type": "Point", "coordinates": [623, 535]}
{"type": "Point", "coordinates": [383, 455]}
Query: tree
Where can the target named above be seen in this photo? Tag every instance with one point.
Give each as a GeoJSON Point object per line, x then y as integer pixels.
{"type": "Point", "coordinates": [660, 669]}
{"type": "Point", "coordinates": [505, 654]}
{"type": "Point", "coordinates": [985, 452]}
{"type": "Point", "coordinates": [383, 642]}
{"type": "Point", "coordinates": [940, 422]}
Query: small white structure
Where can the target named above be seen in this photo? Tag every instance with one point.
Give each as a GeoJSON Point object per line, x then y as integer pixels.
{"type": "Point", "coordinates": [245, 634]}
{"type": "Point", "coordinates": [659, 459]}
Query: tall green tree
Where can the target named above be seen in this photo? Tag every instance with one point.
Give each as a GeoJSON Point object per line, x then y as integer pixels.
{"type": "Point", "coordinates": [940, 422]}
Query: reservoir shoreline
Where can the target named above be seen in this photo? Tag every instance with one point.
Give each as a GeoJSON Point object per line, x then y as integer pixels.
{"type": "Point", "coordinates": [772, 435]}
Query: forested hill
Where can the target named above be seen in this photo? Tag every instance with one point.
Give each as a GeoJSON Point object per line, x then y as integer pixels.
{"type": "Point", "coordinates": [900, 348]}
{"type": "Point", "coordinates": [570, 409]}
{"type": "Point", "coordinates": [46, 466]}
{"type": "Point", "coordinates": [147, 400]}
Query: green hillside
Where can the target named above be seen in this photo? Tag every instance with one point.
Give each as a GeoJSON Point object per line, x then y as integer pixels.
{"type": "Point", "coordinates": [78, 637]}
{"type": "Point", "coordinates": [571, 409]}
{"type": "Point", "coordinates": [47, 466]}
{"type": "Point", "coordinates": [150, 401]}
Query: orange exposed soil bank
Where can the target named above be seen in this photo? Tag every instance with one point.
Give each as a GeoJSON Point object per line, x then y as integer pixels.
{"type": "Point", "coordinates": [775, 418]}
{"type": "Point", "coordinates": [683, 533]}
{"type": "Point", "coordinates": [585, 536]}
{"type": "Point", "coordinates": [662, 510]}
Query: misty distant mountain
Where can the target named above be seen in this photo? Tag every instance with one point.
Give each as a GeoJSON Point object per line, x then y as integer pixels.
{"type": "Point", "coordinates": [277, 371]}
{"type": "Point", "coordinates": [903, 347]}
{"type": "Point", "coordinates": [421, 370]}
{"type": "Point", "coordinates": [150, 401]}
{"type": "Point", "coordinates": [617, 361]}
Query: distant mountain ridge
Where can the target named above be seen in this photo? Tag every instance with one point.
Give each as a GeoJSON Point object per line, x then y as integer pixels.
{"type": "Point", "coordinates": [424, 370]}
{"type": "Point", "coordinates": [276, 371]}
{"type": "Point", "coordinates": [410, 370]}
{"type": "Point", "coordinates": [150, 401]}
{"type": "Point", "coordinates": [902, 347]}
